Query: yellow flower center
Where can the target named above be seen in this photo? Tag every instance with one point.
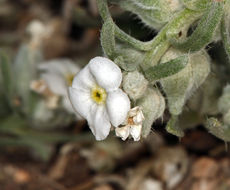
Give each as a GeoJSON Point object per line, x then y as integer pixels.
{"type": "Point", "coordinates": [98, 94]}
{"type": "Point", "coordinates": [69, 79]}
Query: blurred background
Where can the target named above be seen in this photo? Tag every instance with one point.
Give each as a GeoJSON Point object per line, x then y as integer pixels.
{"type": "Point", "coordinates": [44, 145]}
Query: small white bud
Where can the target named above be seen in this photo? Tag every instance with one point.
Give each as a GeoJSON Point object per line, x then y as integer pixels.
{"type": "Point", "coordinates": [133, 125]}
{"type": "Point", "coordinates": [122, 132]}
{"type": "Point", "coordinates": [135, 132]}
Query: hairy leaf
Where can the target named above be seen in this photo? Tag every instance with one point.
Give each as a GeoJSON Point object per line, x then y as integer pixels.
{"type": "Point", "coordinates": [153, 106]}
{"type": "Point", "coordinates": [204, 32]}
{"type": "Point", "coordinates": [196, 4]}
{"type": "Point", "coordinates": [108, 38]}
{"type": "Point", "coordinates": [166, 69]}
{"type": "Point", "coordinates": [180, 86]}
{"type": "Point", "coordinates": [173, 127]}
{"type": "Point", "coordinates": [225, 34]}
{"type": "Point", "coordinates": [219, 130]}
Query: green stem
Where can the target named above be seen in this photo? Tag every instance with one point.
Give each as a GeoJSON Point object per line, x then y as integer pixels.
{"type": "Point", "coordinates": [103, 9]}
{"type": "Point", "coordinates": [158, 46]}
{"type": "Point", "coordinates": [204, 32]}
{"type": "Point", "coordinates": [105, 14]}
{"type": "Point", "coordinates": [160, 43]}
{"type": "Point", "coordinates": [143, 46]}
{"type": "Point", "coordinates": [154, 55]}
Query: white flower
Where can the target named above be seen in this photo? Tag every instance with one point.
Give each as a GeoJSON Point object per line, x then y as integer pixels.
{"type": "Point", "coordinates": [58, 75]}
{"type": "Point", "coordinates": [133, 125]}
{"type": "Point", "coordinates": [96, 96]}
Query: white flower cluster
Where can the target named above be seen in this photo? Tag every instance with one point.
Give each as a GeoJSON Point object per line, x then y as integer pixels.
{"type": "Point", "coordinates": [94, 93]}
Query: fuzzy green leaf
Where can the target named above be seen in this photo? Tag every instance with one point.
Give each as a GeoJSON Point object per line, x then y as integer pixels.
{"type": "Point", "coordinates": [204, 32]}
{"type": "Point", "coordinates": [180, 86]}
{"type": "Point", "coordinates": [225, 34]}
{"type": "Point", "coordinates": [153, 106]}
{"type": "Point", "coordinates": [166, 69]}
{"type": "Point", "coordinates": [196, 4]}
{"type": "Point", "coordinates": [173, 127]}
{"type": "Point", "coordinates": [108, 38]}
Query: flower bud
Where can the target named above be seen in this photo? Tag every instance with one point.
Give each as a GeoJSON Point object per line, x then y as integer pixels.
{"type": "Point", "coordinates": [153, 106]}
{"type": "Point", "coordinates": [134, 84]}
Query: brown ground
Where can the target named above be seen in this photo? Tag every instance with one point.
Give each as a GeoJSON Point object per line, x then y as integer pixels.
{"type": "Point", "coordinates": [198, 162]}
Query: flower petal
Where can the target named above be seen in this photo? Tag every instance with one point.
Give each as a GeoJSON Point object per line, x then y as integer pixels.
{"type": "Point", "coordinates": [118, 105]}
{"type": "Point", "coordinates": [135, 132]}
{"type": "Point", "coordinates": [59, 66]}
{"type": "Point", "coordinates": [84, 80]}
{"type": "Point", "coordinates": [81, 101]}
{"type": "Point", "coordinates": [122, 132]}
{"type": "Point", "coordinates": [56, 83]}
{"type": "Point", "coordinates": [99, 122]}
{"type": "Point", "coordinates": [107, 73]}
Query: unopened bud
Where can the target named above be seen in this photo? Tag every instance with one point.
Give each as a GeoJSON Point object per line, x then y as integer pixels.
{"type": "Point", "coordinates": [153, 106]}
{"type": "Point", "coordinates": [134, 84]}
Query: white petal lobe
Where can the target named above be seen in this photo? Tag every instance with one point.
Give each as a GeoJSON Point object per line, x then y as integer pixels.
{"type": "Point", "coordinates": [81, 101]}
{"type": "Point", "coordinates": [55, 83]}
{"type": "Point", "coordinates": [98, 121]}
{"type": "Point", "coordinates": [83, 80]}
{"type": "Point", "coordinates": [122, 132]}
{"type": "Point", "coordinates": [118, 105]}
{"type": "Point", "coordinates": [107, 73]}
{"type": "Point", "coordinates": [59, 66]}
{"type": "Point", "coordinates": [135, 132]}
